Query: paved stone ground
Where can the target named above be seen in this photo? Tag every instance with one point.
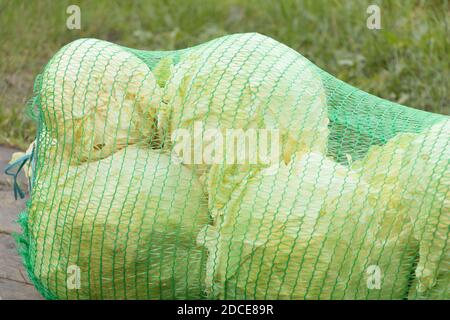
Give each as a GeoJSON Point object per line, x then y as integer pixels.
{"type": "Point", "coordinates": [14, 283]}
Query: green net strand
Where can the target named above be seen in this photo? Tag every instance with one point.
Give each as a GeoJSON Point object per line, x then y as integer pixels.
{"type": "Point", "coordinates": [235, 169]}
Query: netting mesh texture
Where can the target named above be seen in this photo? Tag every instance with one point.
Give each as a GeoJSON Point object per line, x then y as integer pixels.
{"type": "Point", "coordinates": [236, 169]}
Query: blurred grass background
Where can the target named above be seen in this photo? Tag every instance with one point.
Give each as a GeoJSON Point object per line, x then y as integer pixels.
{"type": "Point", "coordinates": [408, 61]}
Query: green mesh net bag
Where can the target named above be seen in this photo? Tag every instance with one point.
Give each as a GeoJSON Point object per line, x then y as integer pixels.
{"type": "Point", "coordinates": [235, 169]}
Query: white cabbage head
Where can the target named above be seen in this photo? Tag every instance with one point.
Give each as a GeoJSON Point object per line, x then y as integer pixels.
{"type": "Point", "coordinates": [129, 223]}
{"type": "Point", "coordinates": [412, 170]}
{"type": "Point", "coordinates": [96, 98]}
{"type": "Point", "coordinates": [247, 81]}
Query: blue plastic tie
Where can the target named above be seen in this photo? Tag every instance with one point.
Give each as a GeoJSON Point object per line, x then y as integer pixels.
{"type": "Point", "coordinates": [20, 163]}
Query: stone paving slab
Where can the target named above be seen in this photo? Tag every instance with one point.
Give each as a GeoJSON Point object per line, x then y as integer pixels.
{"type": "Point", "coordinates": [14, 283]}
{"type": "Point", "coordinates": [9, 211]}
{"type": "Point", "coordinates": [12, 290]}
{"type": "Point", "coordinates": [11, 266]}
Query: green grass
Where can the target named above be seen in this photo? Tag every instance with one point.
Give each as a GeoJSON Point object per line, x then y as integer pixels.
{"type": "Point", "coordinates": [407, 61]}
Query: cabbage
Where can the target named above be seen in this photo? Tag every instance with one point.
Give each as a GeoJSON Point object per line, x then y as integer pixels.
{"type": "Point", "coordinates": [96, 98]}
{"type": "Point", "coordinates": [382, 165]}
{"type": "Point", "coordinates": [412, 170]}
{"type": "Point", "coordinates": [276, 238]}
{"type": "Point", "coordinates": [246, 81]}
{"type": "Point", "coordinates": [426, 179]}
{"type": "Point", "coordinates": [129, 222]}
{"type": "Point", "coordinates": [313, 230]}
